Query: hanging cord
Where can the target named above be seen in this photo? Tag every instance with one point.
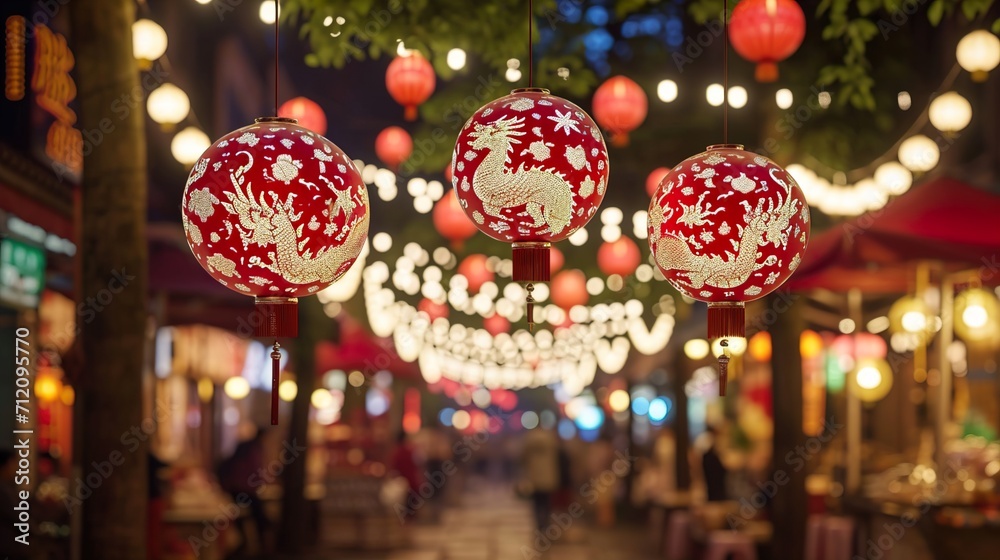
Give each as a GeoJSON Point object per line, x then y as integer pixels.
{"type": "Point", "coordinates": [531, 64]}
{"type": "Point", "coordinates": [725, 74]}
{"type": "Point", "coordinates": [277, 20]}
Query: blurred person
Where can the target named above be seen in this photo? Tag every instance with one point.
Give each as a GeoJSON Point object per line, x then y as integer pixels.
{"type": "Point", "coordinates": [713, 469]}
{"type": "Point", "coordinates": [404, 462]}
{"type": "Point", "coordinates": [10, 548]}
{"type": "Point", "coordinates": [237, 475]}
{"type": "Point", "coordinates": [540, 472]}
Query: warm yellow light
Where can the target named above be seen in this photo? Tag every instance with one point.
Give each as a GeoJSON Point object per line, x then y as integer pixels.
{"type": "Point", "coordinates": [919, 153]}
{"type": "Point", "coordinates": [68, 395]}
{"type": "Point", "coordinates": [461, 420]}
{"type": "Point", "coordinates": [356, 378]}
{"type": "Point", "coordinates": [737, 97]}
{"type": "Point", "coordinates": [976, 311]}
{"type": "Point", "coordinates": [950, 112]}
{"type": "Point", "coordinates": [893, 178]}
{"type": "Point", "coordinates": [869, 377]}
{"type": "Point", "coordinates": [149, 40]}
{"type": "Point", "coordinates": [168, 104]}
{"type": "Point", "coordinates": [236, 388]}
{"type": "Point", "coordinates": [206, 390]}
{"type": "Point", "coordinates": [456, 59]}
{"type": "Point", "coordinates": [48, 386]}
{"type": "Point", "coordinates": [188, 145]}
{"type": "Point", "coordinates": [288, 390]}
{"type": "Point", "coordinates": [810, 344]}
{"type": "Point", "coordinates": [737, 346]}
{"type": "Point", "coordinates": [914, 321]}
{"type": "Point", "coordinates": [666, 90]}
{"type": "Point", "coordinates": [784, 98]}
{"type": "Point", "coordinates": [978, 53]}
{"type": "Point", "coordinates": [715, 94]}
{"type": "Point", "coordinates": [268, 12]}
{"type": "Point", "coordinates": [759, 346]}
{"type": "Point", "coordinates": [696, 348]}
{"type": "Point", "coordinates": [909, 314]}
{"type": "Point", "coordinates": [618, 400]}
{"type": "Point", "coordinates": [974, 316]}
{"type": "Point", "coordinates": [321, 398]}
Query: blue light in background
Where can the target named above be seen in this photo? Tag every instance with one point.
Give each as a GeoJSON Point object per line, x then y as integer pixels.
{"type": "Point", "coordinates": [589, 435]}
{"type": "Point", "coordinates": [650, 25]}
{"type": "Point", "coordinates": [640, 406]}
{"type": "Point", "coordinates": [570, 9]}
{"type": "Point", "coordinates": [566, 428]}
{"type": "Point", "coordinates": [630, 29]}
{"type": "Point", "coordinates": [590, 418]}
{"type": "Point", "coordinates": [597, 15]}
{"type": "Point", "coordinates": [659, 408]}
{"type": "Point", "coordinates": [445, 416]}
{"type": "Point", "coordinates": [599, 39]}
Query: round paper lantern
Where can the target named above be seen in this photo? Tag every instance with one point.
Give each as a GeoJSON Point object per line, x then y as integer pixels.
{"type": "Point", "coordinates": [531, 169]}
{"type": "Point", "coordinates": [871, 379]}
{"type": "Point", "coordinates": [410, 81]}
{"type": "Point", "coordinates": [393, 146]}
{"type": "Point", "coordinates": [569, 288]}
{"type": "Point", "coordinates": [307, 112]}
{"type": "Point", "coordinates": [556, 260]}
{"type": "Point", "coordinates": [276, 212]}
{"type": "Point", "coordinates": [976, 311]}
{"type": "Point", "coordinates": [496, 324]}
{"type": "Point", "coordinates": [475, 271]}
{"type": "Point", "coordinates": [619, 257]}
{"type": "Point", "coordinates": [978, 53]}
{"type": "Point", "coordinates": [433, 309]}
{"type": "Point", "coordinates": [767, 32]}
{"type": "Point", "coordinates": [450, 220]}
{"type": "Point", "coordinates": [654, 178]}
{"type": "Point", "coordinates": [620, 106]}
{"type": "Point", "coordinates": [727, 226]}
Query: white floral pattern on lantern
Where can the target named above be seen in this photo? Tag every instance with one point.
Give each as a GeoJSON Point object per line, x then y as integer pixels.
{"type": "Point", "coordinates": [285, 169]}
{"type": "Point", "coordinates": [202, 203]}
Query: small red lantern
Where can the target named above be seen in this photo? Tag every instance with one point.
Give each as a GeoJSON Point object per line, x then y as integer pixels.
{"type": "Point", "coordinates": [309, 114]}
{"type": "Point", "coordinates": [496, 324]}
{"type": "Point", "coordinates": [530, 168]}
{"type": "Point", "coordinates": [767, 32]}
{"type": "Point", "coordinates": [860, 345]}
{"type": "Point", "coordinates": [450, 220]}
{"type": "Point", "coordinates": [433, 309]}
{"type": "Point", "coordinates": [410, 81]}
{"type": "Point", "coordinates": [393, 146]}
{"type": "Point", "coordinates": [448, 175]}
{"type": "Point", "coordinates": [556, 260]}
{"type": "Point", "coordinates": [476, 272]}
{"type": "Point", "coordinates": [569, 288]}
{"type": "Point", "coordinates": [654, 178]}
{"type": "Point", "coordinates": [276, 212]}
{"type": "Point", "coordinates": [620, 106]}
{"type": "Point", "coordinates": [728, 226]}
{"type": "Point", "coordinates": [619, 257]}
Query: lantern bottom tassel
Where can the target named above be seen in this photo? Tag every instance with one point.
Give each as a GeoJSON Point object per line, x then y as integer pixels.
{"type": "Point", "coordinates": [275, 374]}
{"type": "Point", "coordinates": [531, 307]}
{"type": "Point", "coordinates": [726, 319]}
{"type": "Point", "coordinates": [531, 264]}
{"type": "Point", "coordinates": [723, 367]}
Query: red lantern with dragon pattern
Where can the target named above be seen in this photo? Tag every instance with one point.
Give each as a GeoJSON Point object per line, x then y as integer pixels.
{"type": "Point", "coordinates": [277, 212]}
{"type": "Point", "coordinates": [530, 169]}
{"type": "Point", "coordinates": [726, 227]}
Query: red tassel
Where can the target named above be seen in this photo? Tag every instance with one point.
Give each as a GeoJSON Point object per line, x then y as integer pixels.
{"type": "Point", "coordinates": [276, 317]}
{"type": "Point", "coordinates": [275, 374]}
{"type": "Point", "coordinates": [531, 262]}
{"type": "Point", "coordinates": [726, 319]}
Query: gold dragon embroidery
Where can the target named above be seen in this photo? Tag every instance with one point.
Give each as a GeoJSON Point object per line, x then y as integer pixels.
{"type": "Point", "coordinates": [273, 223]}
{"type": "Point", "coordinates": [763, 226]}
{"type": "Point", "coordinates": [545, 195]}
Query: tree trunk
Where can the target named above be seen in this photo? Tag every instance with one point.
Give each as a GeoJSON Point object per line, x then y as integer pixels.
{"type": "Point", "coordinates": [112, 320]}
{"type": "Point", "coordinates": [294, 509]}
{"type": "Point", "coordinates": [790, 503]}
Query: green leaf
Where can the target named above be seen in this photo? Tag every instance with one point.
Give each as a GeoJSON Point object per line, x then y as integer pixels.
{"type": "Point", "coordinates": [935, 12]}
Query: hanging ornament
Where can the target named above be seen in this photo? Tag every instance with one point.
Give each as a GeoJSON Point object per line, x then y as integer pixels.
{"type": "Point", "coordinates": [307, 112]}
{"type": "Point", "coordinates": [619, 257]}
{"type": "Point", "coordinates": [277, 212]}
{"type": "Point", "coordinates": [530, 168]}
{"type": "Point", "coordinates": [728, 226]}
{"type": "Point", "coordinates": [410, 81]}
{"type": "Point", "coordinates": [620, 106]}
{"type": "Point", "coordinates": [569, 288]}
{"type": "Point", "coordinates": [450, 220]}
{"type": "Point", "coordinates": [393, 146]}
{"type": "Point", "coordinates": [767, 32]}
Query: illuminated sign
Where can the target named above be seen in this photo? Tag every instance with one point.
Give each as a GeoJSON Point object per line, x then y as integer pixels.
{"type": "Point", "coordinates": [22, 272]}
{"type": "Point", "coordinates": [14, 58]}
{"type": "Point", "coordinates": [54, 89]}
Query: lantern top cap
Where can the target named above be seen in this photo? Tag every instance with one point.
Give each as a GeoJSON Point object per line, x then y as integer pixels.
{"type": "Point", "coordinates": [286, 120]}
{"type": "Point", "coordinates": [724, 147]}
{"type": "Point", "coordinates": [542, 91]}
